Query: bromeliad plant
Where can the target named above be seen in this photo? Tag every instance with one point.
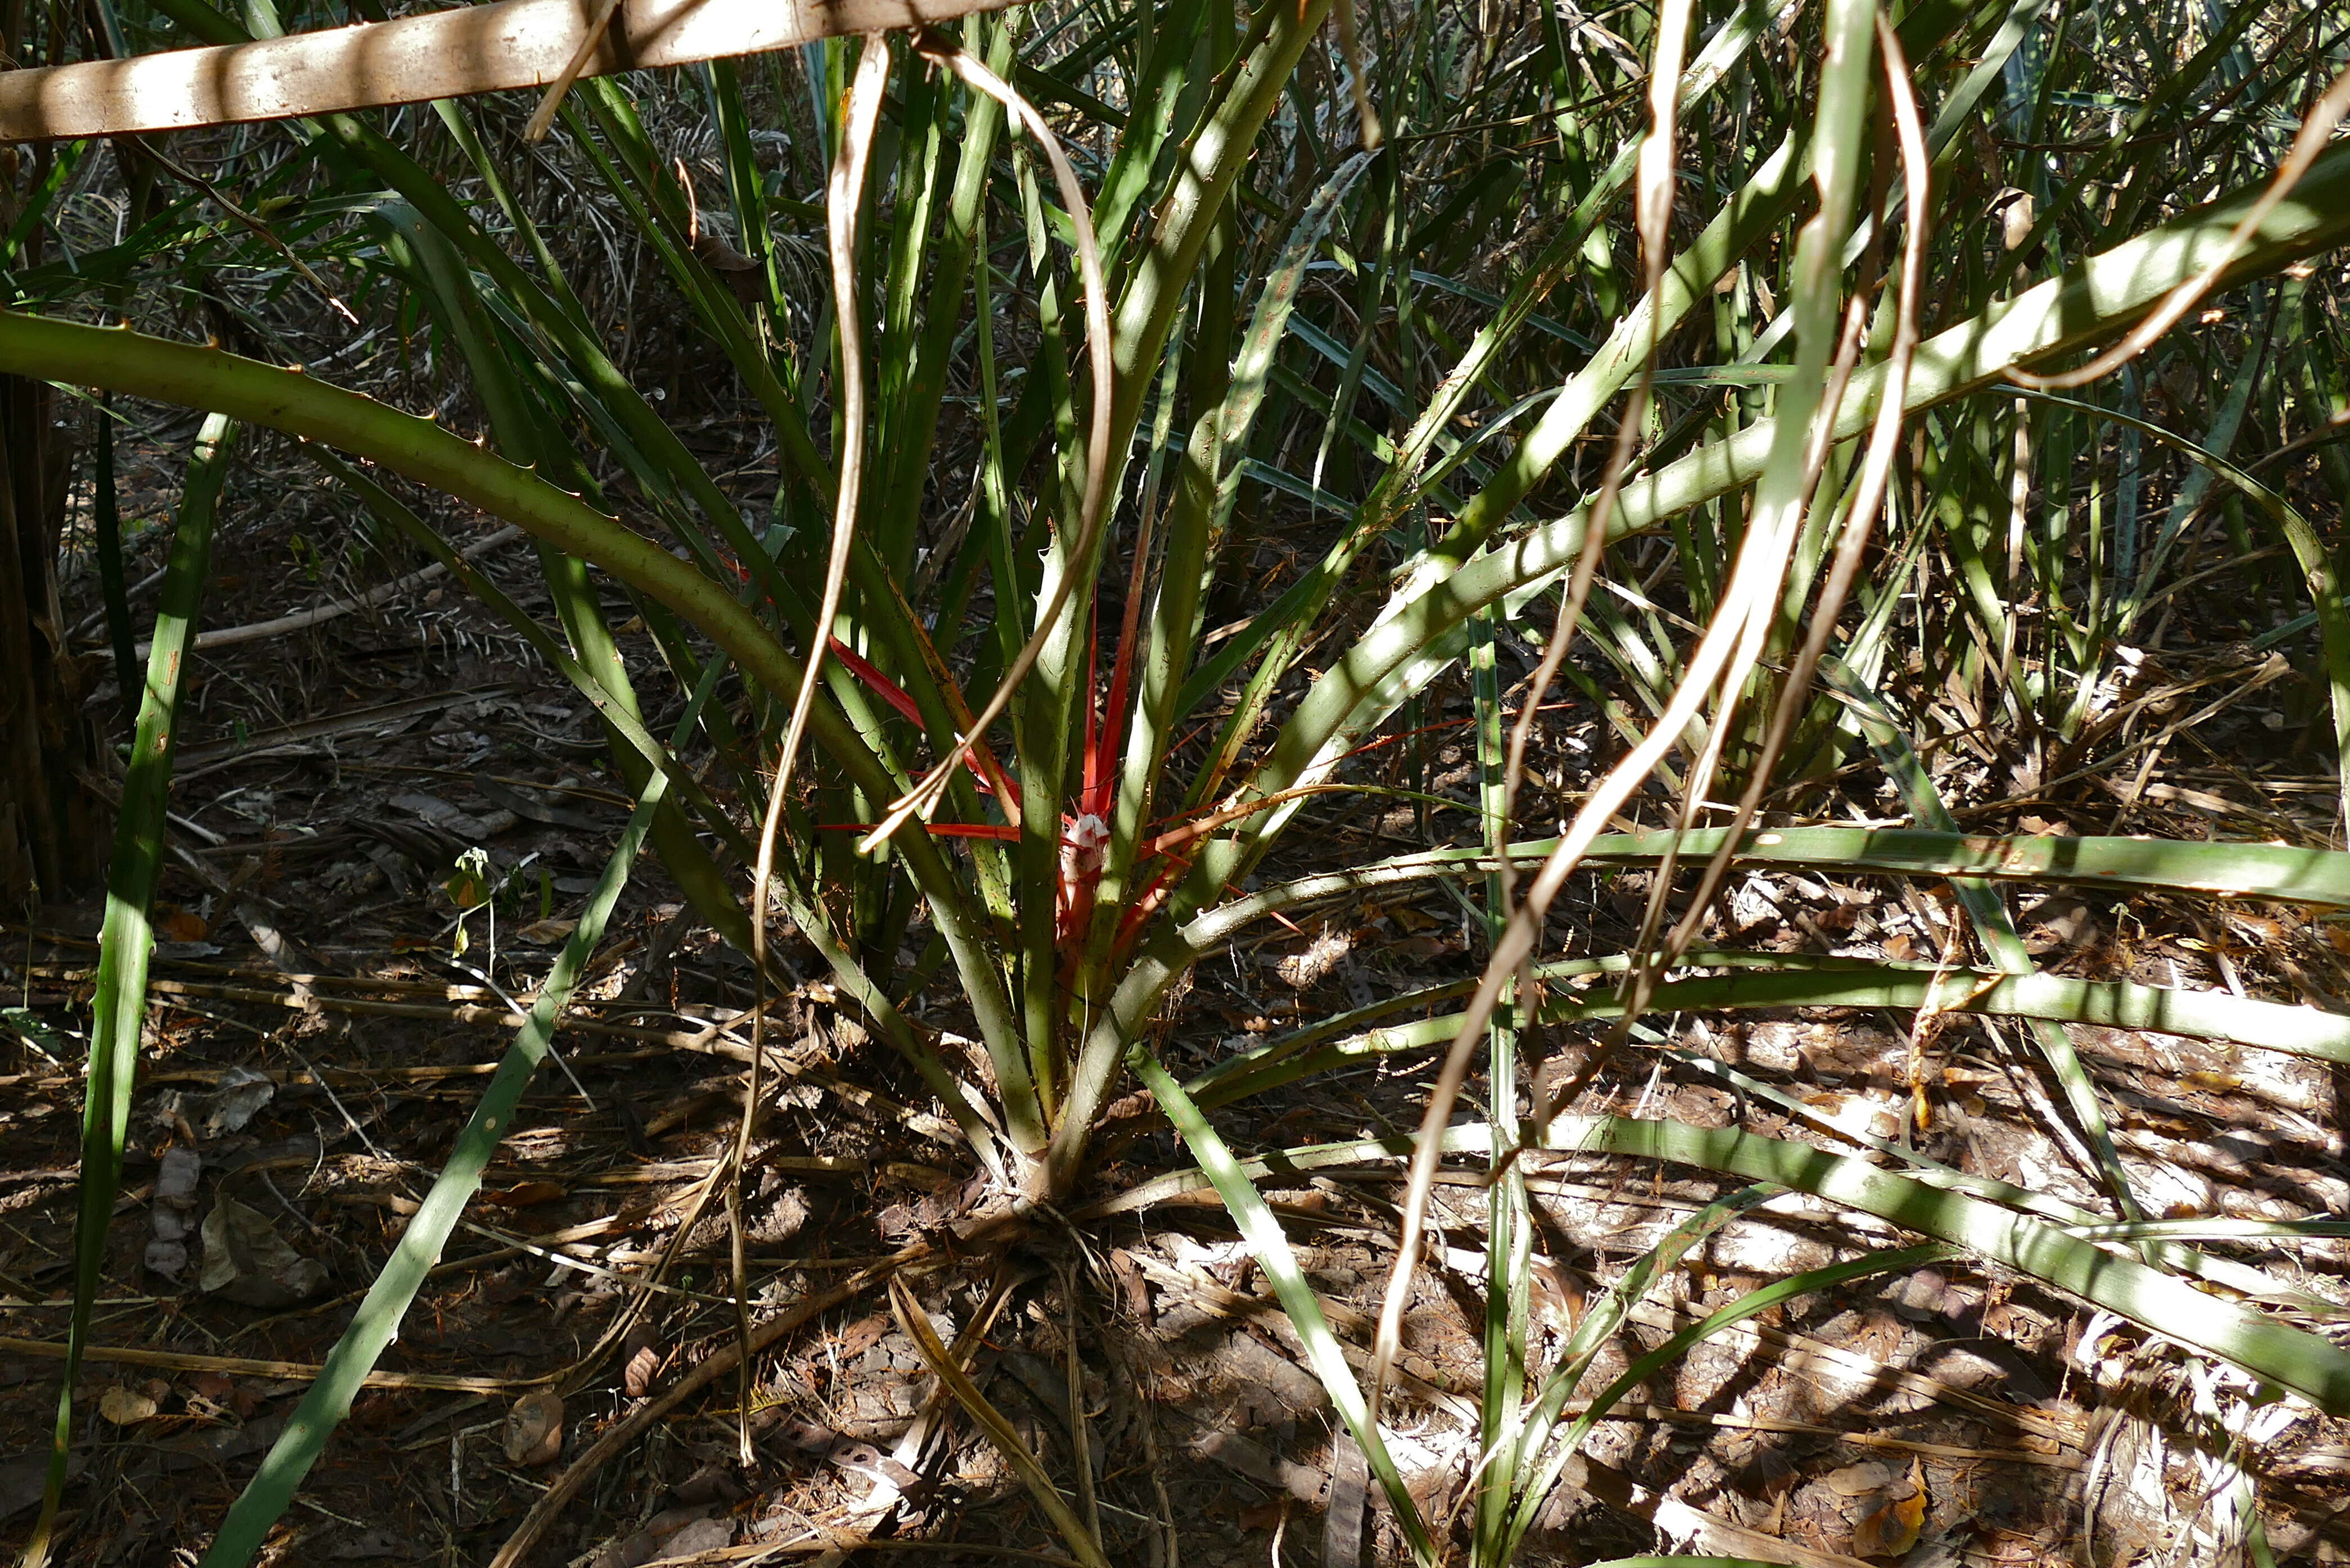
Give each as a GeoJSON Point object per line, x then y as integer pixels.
{"type": "Point", "coordinates": [976, 442]}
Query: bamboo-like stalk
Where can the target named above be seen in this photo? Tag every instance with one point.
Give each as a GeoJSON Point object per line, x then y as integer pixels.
{"type": "Point", "coordinates": [516, 44]}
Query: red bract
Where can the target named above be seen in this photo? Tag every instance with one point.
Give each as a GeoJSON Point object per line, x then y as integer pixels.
{"type": "Point", "coordinates": [1085, 828]}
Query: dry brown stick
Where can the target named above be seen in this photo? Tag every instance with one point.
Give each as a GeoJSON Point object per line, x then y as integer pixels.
{"type": "Point", "coordinates": [2010, 1456]}
{"type": "Point", "coordinates": [207, 757]}
{"type": "Point", "coordinates": [983, 1236]}
{"type": "Point", "coordinates": [195, 974]}
{"type": "Point", "coordinates": [629, 1428]}
{"type": "Point", "coordinates": [301, 620]}
{"type": "Point", "coordinates": [246, 1366]}
{"type": "Point", "coordinates": [1706, 1532]}
{"type": "Point", "coordinates": [708, 1041]}
{"type": "Point", "coordinates": [714, 1040]}
{"type": "Point", "coordinates": [368, 1077]}
{"type": "Point", "coordinates": [1657, 1315]}
{"type": "Point", "coordinates": [880, 1506]}
{"type": "Point", "coordinates": [599, 22]}
{"type": "Point", "coordinates": [446, 1266]}
{"type": "Point", "coordinates": [756, 1552]}
{"type": "Point", "coordinates": [709, 1174]}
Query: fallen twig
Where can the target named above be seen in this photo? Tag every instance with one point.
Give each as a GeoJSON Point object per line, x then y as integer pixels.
{"type": "Point", "coordinates": [720, 1362]}
{"type": "Point", "coordinates": [246, 1366]}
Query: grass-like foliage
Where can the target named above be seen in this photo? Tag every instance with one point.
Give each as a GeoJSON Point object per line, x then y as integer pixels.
{"type": "Point", "coordinates": [1685, 350]}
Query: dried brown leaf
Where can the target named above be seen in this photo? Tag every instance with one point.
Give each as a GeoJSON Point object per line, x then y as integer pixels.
{"type": "Point", "coordinates": [534, 1433]}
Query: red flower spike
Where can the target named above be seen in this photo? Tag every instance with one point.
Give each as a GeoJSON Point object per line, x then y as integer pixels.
{"type": "Point", "coordinates": [992, 780]}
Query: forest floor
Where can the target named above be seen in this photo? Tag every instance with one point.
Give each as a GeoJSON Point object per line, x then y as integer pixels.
{"type": "Point", "coordinates": [318, 1034]}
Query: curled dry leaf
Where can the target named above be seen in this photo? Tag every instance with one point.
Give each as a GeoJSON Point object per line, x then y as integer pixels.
{"type": "Point", "coordinates": [525, 1195]}
{"type": "Point", "coordinates": [1767, 1474]}
{"type": "Point", "coordinates": [1866, 1478]}
{"type": "Point", "coordinates": [534, 1433]}
{"type": "Point", "coordinates": [124, 1407]}
{"type": "Point", "coordinates": [861, 1335]}
{"type": "Point", "coordinates": [173, 924]}
{"type": "Point", "coordinates": [242, 1094]}
{"type": "Point", "coordinates": [1893, 1513]}
{"type": "Point", "coordinates": [743, 276]}
{"type": "Point", "coordinates": [672, 1533]}
{"type": "Point", "coordinates": [637, 1377]}
{"type": "Point", "coordinates": [213, 1396]}
{"type": "Point", "coordinates": [245, 1260]}
{"type": "Point", "coordinates": [642, 1366]}
{"type": "Point", "coordinates": [175, 1177]}
{"type": "Point", "coordinates": [1865, 1114]}
{"type": "Point", "coordinates": [1322, 955]}
{"type": "Point", "coordinates": [715, 1482]}
{"type": "Point", "coordinates": [701, 1535]}
{"type": "Point", "coordinates": [1891, 1529]}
